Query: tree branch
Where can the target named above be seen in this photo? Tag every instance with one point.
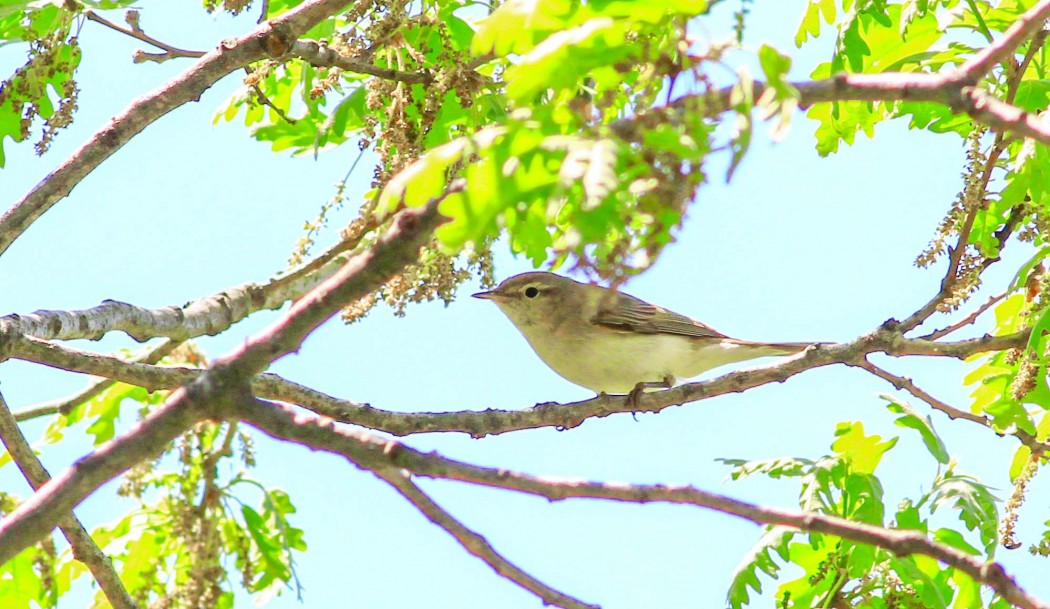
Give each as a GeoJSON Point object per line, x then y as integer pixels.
{"type": "Point", "coordinates": [67, 404]}
{"type": "Point", "coordinates": [974, 202]}
{"type": "Point", "coordinates": [372, 453]}
{"type": "Point", "coordinates": [218, 392]}
{"type": "Point", "coordinates": [55, 499]}
{"type": "Point", "coordinates": [321, 55]}
{"type": "Point", "coordinates": [209, 315]}
{"type": "Point", "coordinates": [906, 384]}
{"type": "Point", "coordinates": [271, 39]}
{"type": "Point", "coordinates": [136, 32]}
{"type": "Point", "coordinates": [1020, 30]}
{"type": "Point", "coordinates": [84, 548]}
{"type": "Point", "coordinates": [969, 319]}
{"type": "Point", "coordinates": [953, 88]}
{"type": "Point", "coordinates": [218, 388]}
{"type": "Point", "coordinates": [473, 543]}
{"type": "Point", "coordinates": [491, 421]}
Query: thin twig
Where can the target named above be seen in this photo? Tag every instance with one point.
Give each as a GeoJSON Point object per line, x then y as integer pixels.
{"type": "Point", "coordinates": [266, 101]}
{"type": "Point", "coordinates": [67, 404]}
{"type": "Point", "coordinates": [1014, 83]}
{"type": "Point", "coordinates": [323, 56]}
{"type": "Point", "coordinates": [136, 32]}
{"type": "Point", "coordinates": [906, 384]}
{"type": "Point", "coordinates": [474, 543]}
{"type": "Point", "coordinates": [210, 463]}
{"type": "Point", "coordinates": [969, 319]}
{"type": "Point", "coordinates": [84, 548]}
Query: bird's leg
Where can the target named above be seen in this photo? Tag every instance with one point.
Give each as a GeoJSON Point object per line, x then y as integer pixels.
{"type": "Point", "coordinates": [639, 389]}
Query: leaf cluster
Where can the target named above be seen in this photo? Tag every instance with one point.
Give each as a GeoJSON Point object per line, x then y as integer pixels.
{"type": "Point", "coordinates": [185, 510]}
{"type": "Point", "coordinates": [844, 483]}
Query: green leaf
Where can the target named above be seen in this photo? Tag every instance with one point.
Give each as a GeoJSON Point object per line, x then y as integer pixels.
{"type": "Point", "coordinates": [427, 177]}
{"type": "Point", "coordinates": [20, 585]}
{"type": "Point", "coordinates": [911, 419]}
{"type": "Point", "coordinates": [474, 211]}
{"type": "Point", "coordinates": [816, 492]}
{"type": "Point", "coordinates": [810, 25]}
{"type": "Point", "coordinates": [1037, 339]}
{"type": "Point", "coordinates": [861, 451]}
{"type": "Point", "coordinates": [1025, 270]}
{"type": "Point", "coordinates": [518, 25]}
{"type": "Point", "coordinates": [967, 592]}
{"type": "Point", "coordinates": [565, 57]}
{"type": "Point", "coordinates": [926, 587]}
{"type": "Point", "coordinates": [816, 581]}
{"type": "Point", "coordinates": [1007, 313]}
{"type": "Point", "coordinates": [862, 497]}
{"type": "Point", "coordinates": [775, 65]}
{"type": "Point", "coordinates": [974, 503]}
{"type": "Point", "coordinates": [1033, 95]}
{"type": "Point", "coordinates": [780, 98]}
{"type": "Point", "coordinates": [104, 409]}
{"type": "Point", "coordinates": [774, 468]}
{"type": "Point", "coordinates": [953, 538]}
{"type": "Point", "coordinates": [1022, 456]}
{"type": "Point", "coordinates": [271, 550]}
{"type": "Point", "coordinates": [907, 517]}
{"type": "Point", "coordinates": [1007, 413]}
{"type": "Point", "coordinates": [840, 122]}
{"type": "Point", "coordinates": [759, 558]}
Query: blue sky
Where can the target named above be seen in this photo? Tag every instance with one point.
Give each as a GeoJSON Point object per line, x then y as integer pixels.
{"type": "Point", "coordinates": [795, 248]}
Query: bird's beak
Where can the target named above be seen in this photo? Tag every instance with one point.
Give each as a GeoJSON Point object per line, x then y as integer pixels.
{"type": "Point", "coordinates": [491, 295]}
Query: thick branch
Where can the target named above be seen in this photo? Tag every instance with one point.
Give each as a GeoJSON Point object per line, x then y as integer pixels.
{"type": "Point", "coordinates": [372, 453]}
{"type": "Point", "coordinates": [271, 39]}
{"type": "Point", "coordinates": [942, 89]}
{"type": "Point", "coordinates": [221, 386]}
{"type": "Point", "coordinates": [209, 315]}
{"type": "Point", "coordinates": [474, 543]}
{"type": "Point", "coordinates": [84, 548]}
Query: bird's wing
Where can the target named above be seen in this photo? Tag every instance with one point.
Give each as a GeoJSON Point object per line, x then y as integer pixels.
{"type": "Point", "coordinates": [625, 312]}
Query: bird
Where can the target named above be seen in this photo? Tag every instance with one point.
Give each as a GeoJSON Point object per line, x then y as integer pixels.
{"type": "Point", "coordinates": [614, 343]}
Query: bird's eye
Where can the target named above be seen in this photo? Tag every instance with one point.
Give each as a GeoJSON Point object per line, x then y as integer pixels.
{"type": "Point", "coordinates": [531, 292]}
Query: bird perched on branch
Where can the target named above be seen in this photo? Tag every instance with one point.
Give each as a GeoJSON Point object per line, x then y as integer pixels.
{"type": "Point", "coordinates": [611, 342]}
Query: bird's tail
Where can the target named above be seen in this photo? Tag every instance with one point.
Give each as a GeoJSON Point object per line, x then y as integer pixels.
{"type": "Point", "coordinates": [763, 349]}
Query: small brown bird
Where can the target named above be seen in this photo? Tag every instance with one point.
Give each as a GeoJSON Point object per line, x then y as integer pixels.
{"type": "Point", "coordinates": [611, 342]}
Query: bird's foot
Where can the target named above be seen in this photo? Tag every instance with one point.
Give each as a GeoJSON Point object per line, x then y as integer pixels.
{"type": "Point", "coordinates": [639, 389]}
